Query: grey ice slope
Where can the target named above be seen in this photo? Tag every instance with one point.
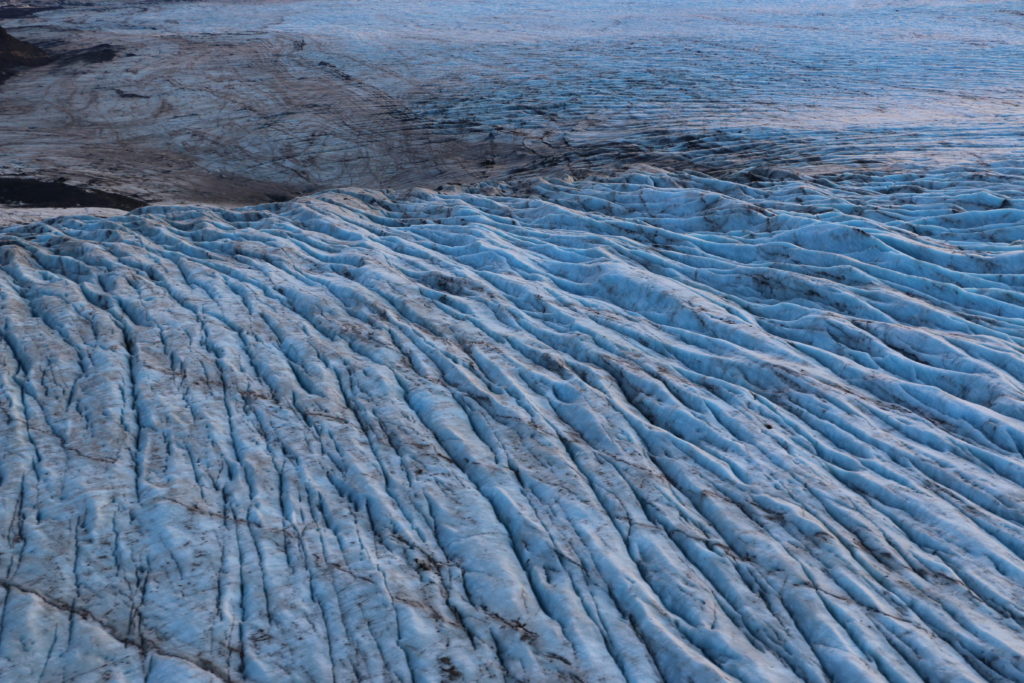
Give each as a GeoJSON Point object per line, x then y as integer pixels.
{"type": "Point", "coordinates": [208, 102]}
{"type": "Point", "coordinates": [659, 426]}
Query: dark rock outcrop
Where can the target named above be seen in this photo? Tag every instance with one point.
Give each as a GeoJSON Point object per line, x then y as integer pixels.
{"type": "Point", "coordinates": [57, 193]}
{"type": "Point", "coordinates": [16, 53]}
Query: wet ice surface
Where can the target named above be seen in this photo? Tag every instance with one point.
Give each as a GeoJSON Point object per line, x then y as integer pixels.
{"type": "Point", "coordinates": [656, 425]}
{"type": "Point", "coordinates": [717, 374]}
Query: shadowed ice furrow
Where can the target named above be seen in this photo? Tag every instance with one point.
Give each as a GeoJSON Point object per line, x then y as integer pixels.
{"type": "Point", "coordinates": [655, 426]}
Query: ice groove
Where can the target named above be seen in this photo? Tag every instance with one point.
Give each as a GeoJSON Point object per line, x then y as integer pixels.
{"type": "Point", "coordinates": [657, 425]}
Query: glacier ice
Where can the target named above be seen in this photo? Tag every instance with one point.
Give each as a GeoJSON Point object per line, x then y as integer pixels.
{"type": "Point", "coordinates": [216, 102]}
{"type": "Point", "coordinates": [658, 424]}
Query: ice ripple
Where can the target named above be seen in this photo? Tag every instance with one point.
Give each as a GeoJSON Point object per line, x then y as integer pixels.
{"type": "Point", "coordinates": [660, 425]}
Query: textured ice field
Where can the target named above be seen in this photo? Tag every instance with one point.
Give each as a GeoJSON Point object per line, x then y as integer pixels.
{"type": "Point", "coordinates": [702, 360]}
{"type": "Point", "coordinates": [654, 426]}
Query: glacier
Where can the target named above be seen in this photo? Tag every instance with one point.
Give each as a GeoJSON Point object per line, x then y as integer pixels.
{"type": "Point", "coordinates": [651, 425]}
{"type": "Point", "coordinates": [213, 102]}
{"type": "Point", "coordinates": [598, 341]}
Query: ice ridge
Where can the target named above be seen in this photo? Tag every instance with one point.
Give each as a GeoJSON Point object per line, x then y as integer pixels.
{"type": "Point", "coordinates": [652, 426]}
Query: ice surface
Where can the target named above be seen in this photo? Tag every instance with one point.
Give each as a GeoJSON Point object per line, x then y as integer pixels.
{"type": "Point", "coordinates": [16, 215]}
{"type": "Point", "coordinates": [658, 425]}
{"type": "Point", "coordinates": [702, 359]}
{"type": "Point", "coordinates": [237, 104]}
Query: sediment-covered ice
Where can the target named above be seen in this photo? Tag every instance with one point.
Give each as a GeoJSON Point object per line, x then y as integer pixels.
{"type": "Point", "coordinates": [217, 101]}
{"type": "Point", "coordinates": [655, 426]}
